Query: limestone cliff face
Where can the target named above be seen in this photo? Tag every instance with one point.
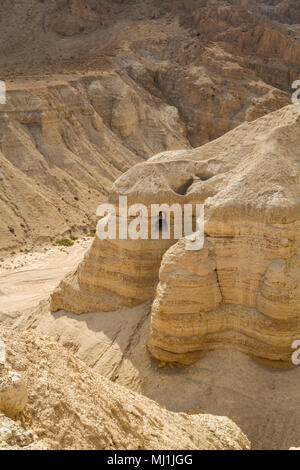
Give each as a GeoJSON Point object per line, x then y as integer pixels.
{"type": "Point", "coordinates": [113, 274]}
{"type": "Point", "coordinates": [242, 292]}
{"type": "Point", "coordinates": [243, 287]}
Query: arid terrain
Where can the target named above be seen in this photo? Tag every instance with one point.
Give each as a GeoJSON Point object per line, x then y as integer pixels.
{"type": "Point", "coordinates": [142, 344]}
{"type": "Point", "coordinates": [94, 87]}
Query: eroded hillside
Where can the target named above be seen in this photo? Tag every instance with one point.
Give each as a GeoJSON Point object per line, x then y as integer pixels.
{"type": "Point", "coordinates": [95, 87]}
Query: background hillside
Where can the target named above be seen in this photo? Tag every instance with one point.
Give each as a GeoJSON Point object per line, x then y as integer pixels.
{"type": "Point", "coordinates": [96, 86]}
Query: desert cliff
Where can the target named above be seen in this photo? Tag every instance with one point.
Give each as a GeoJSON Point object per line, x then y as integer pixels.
{"type": "Point", "coordinates": [149, 342]}
{"type": "Point", "coordinates": [242, 288]}
{"type": "Point", "coordinates": [95, 87]}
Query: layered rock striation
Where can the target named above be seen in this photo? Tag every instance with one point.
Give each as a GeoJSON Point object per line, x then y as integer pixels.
{"type": "Point", "coordinates": [96, 86]}
{"type": "Point", "coordinates": [243, 287]}
{"type": "Point", "coordinates": [62, 146]}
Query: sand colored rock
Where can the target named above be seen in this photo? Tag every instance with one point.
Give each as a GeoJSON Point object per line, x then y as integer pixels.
{"type": "Point", "coordinates": [64, 133]}
{"type": "Point", "coordinates": [13, 436]}
{"type": "Point", "coordinates": [96, 86]}
{"type": "Point", "coordinates": [113, 275]}
{"type": "Point", "coordinates": [70, 407]}
{"type": "Point", "coordinates": [13, 389]}
{"type": "Point", "coordinates": [13, 393]}
{"type": "Point", "coordinates": [243, 287]}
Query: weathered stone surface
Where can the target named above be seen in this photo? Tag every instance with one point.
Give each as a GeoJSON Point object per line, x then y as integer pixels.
{"type": "Point", "coordinates": [13, 389]}
{"type": "Point", "coordinates": [93, 87]}
{"type": "Point", "coordinates": [2, 356]}
{"type": "Point", "coordinates": [65, 134]}
{"type": "Point", "coordinates": [243, 288]}
{"type": "Point", "coordinates": [13, 436]}
{"type": "Point", "coordinates": [72, 407]}
{"type": "Point", "coordinates": [113, 274]}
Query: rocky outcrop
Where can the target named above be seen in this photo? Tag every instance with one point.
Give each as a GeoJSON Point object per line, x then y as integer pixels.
{"type": "Point", "coordinates": [243, 287]}
{"type": "Point", "coordinates": [13, 393]}
{"type": "Point", "coordinates": [72, 407]}
{"type": "Point", "coordinates": [13, 389]}
{"type": "Point", "coordinates": [112, 275]}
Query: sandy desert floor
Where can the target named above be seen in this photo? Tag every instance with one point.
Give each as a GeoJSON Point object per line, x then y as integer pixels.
{"type": "Point", "coordinates": [27, 278]}
{"type": "Point", "coordinates": [264, 402]}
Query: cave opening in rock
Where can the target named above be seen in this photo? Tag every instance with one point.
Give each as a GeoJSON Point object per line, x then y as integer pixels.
{"type": "Point", "coordinates": [162, 223]}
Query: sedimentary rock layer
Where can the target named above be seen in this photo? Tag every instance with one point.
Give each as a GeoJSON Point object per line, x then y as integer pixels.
{"type": "Point", "coordinates": [96, 86]}
{"type": "Point", "coordinates": [62, 146]}
{"type": "Point", "coordinates": [112, 275]}
{"type": "Point", "coordinates": [243, 287]}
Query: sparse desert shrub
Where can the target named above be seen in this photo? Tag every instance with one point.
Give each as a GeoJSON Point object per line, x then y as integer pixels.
{"type": "Point", "coordinates": [64, 242]}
